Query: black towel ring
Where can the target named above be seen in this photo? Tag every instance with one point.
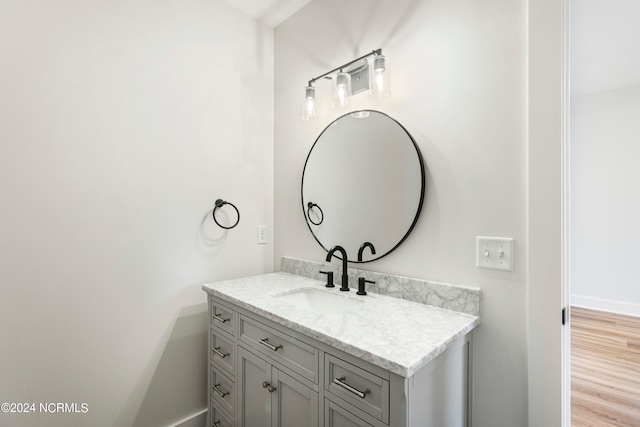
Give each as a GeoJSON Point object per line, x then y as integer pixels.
{"type": "Point", "coordinates": [310, 206]}
{"type": "Point", "coordinates": [220, 203]}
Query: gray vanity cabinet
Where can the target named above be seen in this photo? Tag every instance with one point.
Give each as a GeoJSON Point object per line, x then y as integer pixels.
{"type": "Point", "coordinates": [263, 374]}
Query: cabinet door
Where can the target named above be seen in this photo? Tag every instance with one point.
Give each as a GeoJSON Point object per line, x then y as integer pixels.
{"type": "Point", "coordinates": [294, 404]}
{"type": "Point", "coordinates": [254, 398]}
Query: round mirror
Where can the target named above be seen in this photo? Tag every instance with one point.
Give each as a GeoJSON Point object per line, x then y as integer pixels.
{"type": "Point", "coordinates": [363, 182]}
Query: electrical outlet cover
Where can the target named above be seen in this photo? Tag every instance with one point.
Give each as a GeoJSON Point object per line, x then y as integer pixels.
{"type": "Point", "coordinates": [262, 234]}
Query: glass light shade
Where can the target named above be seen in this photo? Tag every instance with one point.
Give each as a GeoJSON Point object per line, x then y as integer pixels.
{"type": "Point", "coordinates": [309, 110]}
{"type": "Point", "coordinates": [341, 90]}
{"type": "Point", "coordinates": [379, 78]}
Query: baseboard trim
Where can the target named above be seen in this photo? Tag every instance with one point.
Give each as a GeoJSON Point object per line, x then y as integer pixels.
{"type": "Point", "coordinates": [196, 419]}
{"type": "Point", "coordinates": [606, 305]}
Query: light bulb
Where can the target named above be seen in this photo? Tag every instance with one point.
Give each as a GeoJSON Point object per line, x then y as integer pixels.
{"type": "Point", "coordinates": [309, 103]}
{"type": "Point", "coordinates": [379, 81]}
{"type": "Point", "coordinates": [341, 90]}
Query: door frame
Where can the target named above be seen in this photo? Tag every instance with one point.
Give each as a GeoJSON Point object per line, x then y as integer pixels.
{"type": "Point", "coordinates": [548, 210]}
{"type": "Point", "coordinates": [566, 213]}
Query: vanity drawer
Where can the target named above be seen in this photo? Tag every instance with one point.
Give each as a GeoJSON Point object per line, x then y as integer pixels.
{"type": "Point", "coordinates": [219, 418]}
{"type": "Point", "coordinates": [222, 390]}
{"type": "Point", "coordinates": [363, 389]}
{"type": "Point", "coordinates": [336, 416]}
{"type": "Point", "coordinates": [222, 317]}
{"type": "Point", "coordinates": [290, 352]}
{"type": "Point", "coordinates": [222, 352]}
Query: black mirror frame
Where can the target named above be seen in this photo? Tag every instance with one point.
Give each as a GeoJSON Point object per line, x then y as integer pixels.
{"type": "Point", "coordinates": [422, 189]}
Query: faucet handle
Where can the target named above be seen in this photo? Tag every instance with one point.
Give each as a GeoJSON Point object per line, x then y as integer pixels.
{"type": "Point", "coordinates": [361, 282]}
{"type": "Point", "coordinates": [329, 279]}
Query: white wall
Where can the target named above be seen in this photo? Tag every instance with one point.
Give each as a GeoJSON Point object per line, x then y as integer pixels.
{"type": "Point", "coordinates": [605, 198]}
{"type": "Point", "coordinates": [120, 124]}
{"type": "Point", "coordinates": [459, 85]}
{"type": "Point", "coordinates": [604, 40]}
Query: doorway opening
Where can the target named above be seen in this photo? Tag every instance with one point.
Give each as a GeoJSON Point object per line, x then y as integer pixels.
{"type": "Point", "coordinates": [604, 201]}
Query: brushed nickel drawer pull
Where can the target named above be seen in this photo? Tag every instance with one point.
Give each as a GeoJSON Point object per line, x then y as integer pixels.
{"type": "Point", "coordinates": [220, 392]}
{"type": "Point", "coordinates": [217, 351]}
{"type": "Point", "coordinates": [341, 383]}
{"type": "Point", "coordinates": [219, 318]}
{"type": "Point", "coordinates": [265, 342]}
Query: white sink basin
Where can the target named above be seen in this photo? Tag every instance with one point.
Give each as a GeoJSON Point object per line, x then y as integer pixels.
{"type": "Point", "coordinates": [319, 301]}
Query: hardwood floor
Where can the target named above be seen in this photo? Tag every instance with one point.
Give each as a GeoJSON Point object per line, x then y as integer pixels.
{"type": "Point", "coordinates": [605, 369]}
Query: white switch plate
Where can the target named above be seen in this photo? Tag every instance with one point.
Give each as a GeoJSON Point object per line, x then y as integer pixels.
{"type": "Point", "coordinates": [495, 253]}
{"type": "Point", "coordinates": [262, 234]}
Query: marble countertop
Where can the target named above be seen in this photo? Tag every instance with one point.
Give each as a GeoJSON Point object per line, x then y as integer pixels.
{"type": "Point", "coordinates": [395, 334]}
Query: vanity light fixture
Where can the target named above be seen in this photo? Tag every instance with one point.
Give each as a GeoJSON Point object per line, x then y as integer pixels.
{"type": "Point", "coordinates": [349, 79]}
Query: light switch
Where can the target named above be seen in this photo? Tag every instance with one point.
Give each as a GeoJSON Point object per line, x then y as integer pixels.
{"type": "Point", "coordinates": [495, 253]}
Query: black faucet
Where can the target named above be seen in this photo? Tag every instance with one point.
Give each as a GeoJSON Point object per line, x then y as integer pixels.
{"type": "Point", "coordinates": [345, 276]}
{"type": "Point", "coordinates": [365, 245]}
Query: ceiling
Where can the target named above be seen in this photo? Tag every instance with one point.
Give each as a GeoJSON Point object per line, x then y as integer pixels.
{"type": "Point", "coordinates": [271, 12]}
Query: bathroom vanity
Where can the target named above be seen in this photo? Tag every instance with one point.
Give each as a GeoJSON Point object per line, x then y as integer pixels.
{"type": "Point", "coordinates": [286, 351]}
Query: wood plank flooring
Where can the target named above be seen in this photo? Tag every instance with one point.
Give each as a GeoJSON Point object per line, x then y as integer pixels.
{"type": "Point", "coordinates": [605, 369]}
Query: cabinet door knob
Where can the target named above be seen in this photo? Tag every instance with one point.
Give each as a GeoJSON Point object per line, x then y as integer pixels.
{"type": "Point", "coordinates": [268, 386]}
